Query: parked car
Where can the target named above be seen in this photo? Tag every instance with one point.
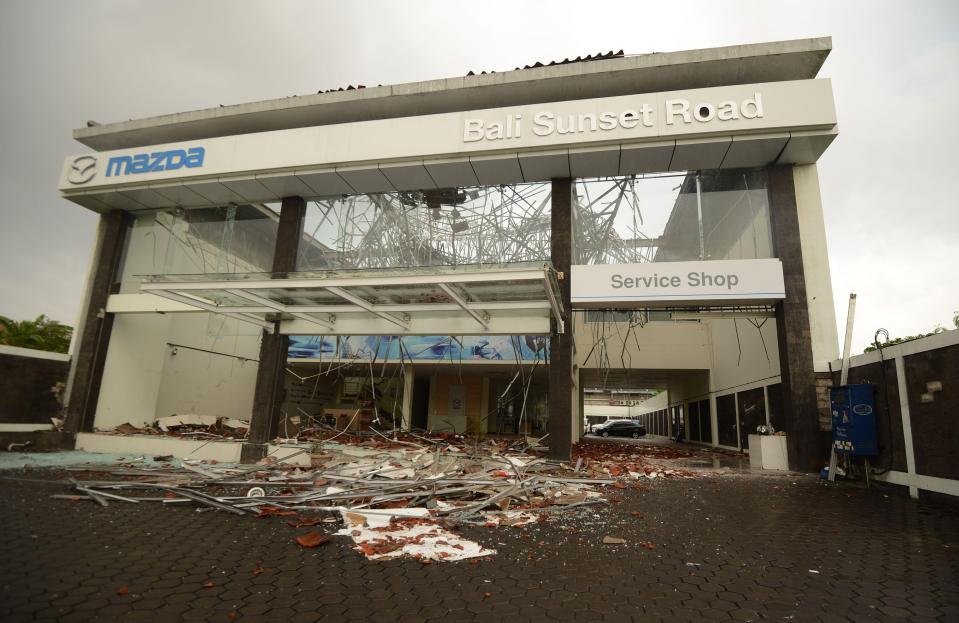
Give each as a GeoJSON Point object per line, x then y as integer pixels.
{"type": "Point", "coordinates": [592, 426]}
{"type": "Point", "coordinates": [620, 428]}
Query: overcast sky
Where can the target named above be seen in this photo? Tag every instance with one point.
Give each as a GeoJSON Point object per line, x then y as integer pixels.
{"type": "Point", "coordinates": [891, 213]}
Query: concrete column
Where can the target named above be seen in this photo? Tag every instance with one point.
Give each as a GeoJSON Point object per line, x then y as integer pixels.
{"type": "Point", "coordinates": [561, 344]}
{"type": "Point", "coordinates": [580, 402]}
{"type": "Point", "coordinates": [669, 415]}
{"type": "Point", "coordinates": [576, 419]}
{"type": "Point", "coordinates": [407, 409]}
{"type": "Point", "coordinates": [793, 328]}
{"type": "Point", "coordinates": [484, 407]}
{"type": "Point", "coordinates": [93, 334]}
{"type": "Point", "coordinates": [812, 228]}
{"type": "Point", "coordinates": [270, 376]}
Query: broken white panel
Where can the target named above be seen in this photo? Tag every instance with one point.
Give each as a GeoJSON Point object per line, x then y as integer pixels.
{"type": "Point", "coordinates": [370, 529]}
{"type": "Point", "coordinates": [216, 193]}
{"type": "Point", "coordinates": [544, 165]}
{"type": "Point", "coordinates": [452, 172]}
{"type": "Point", "coordinates": [365, 179]}
{"type": "Point", "coordinates": [248, 187]}
{"type": "Point", "coordinates": [91, 202]}
{"type": "Point", "coordinates": [325, 182]}
{"type": "Point", "coordinates": [645, 157]}
{"type": "Point", "coordinates": [145, 196]}
{"type": "Point", "coordinates": [696, 154]}
{"type": "Point", "coordinates": [195, 419]}
{"type": "Point", "coordinates": [118, 201]}
{"type": "Point", "coordinates": [407, 176]}
{"type": "Point", "coordinates": [594, 161]}
{"type": "Point", "coordinates": [754, 150]}
{"type": "Point", "coordinates": [498, 169]}
{"type": "Point", "coordinates": [284, 185]}
{"type": "Point", "coordinates": [180, 195]}
{"type": "Point", "coordinates": [805, 147]}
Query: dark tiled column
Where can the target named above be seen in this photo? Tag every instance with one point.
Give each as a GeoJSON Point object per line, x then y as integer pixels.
{"type": "Point", "coordinates": [94, 338]}
{"type": "Point", "coordinates": [801, 417]}
{"type": "Point", "coordinates": [561, 344]}
{"type": "Point", "coordinates": [271, 372]}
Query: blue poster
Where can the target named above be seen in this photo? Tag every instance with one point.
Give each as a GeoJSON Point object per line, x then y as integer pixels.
{"type": "Point", "coordinates": [420, 347]}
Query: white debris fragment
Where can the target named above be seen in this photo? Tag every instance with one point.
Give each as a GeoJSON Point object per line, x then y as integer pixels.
{"type": "Point", "coordinates": [379, 538]}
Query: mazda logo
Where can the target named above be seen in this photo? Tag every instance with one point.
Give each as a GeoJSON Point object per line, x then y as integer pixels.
{"type": "Point", "coordinates": [82, 169]}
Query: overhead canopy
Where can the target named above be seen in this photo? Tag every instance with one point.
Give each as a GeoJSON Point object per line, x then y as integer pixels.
{"type": "Point", "coordinates": [509, 299]}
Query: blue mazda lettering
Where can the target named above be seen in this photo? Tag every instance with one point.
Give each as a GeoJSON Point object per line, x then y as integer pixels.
{"type": "Point", "coordinates": [156, 161]}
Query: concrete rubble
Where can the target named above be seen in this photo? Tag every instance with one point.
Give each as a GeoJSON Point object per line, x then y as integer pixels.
{"type": "Point", "coordinates": [405, 496]}
{"type": "Point", "coordinates": [190, 425]}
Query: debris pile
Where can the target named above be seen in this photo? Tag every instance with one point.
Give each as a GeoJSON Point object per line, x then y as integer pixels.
{"type": "Point", "coordinates": [401, 496]}
{"type": "Point", "coordinates": [191, 426]}
{"type": "Point", "coordinates": [392, 497]}
{"type": "Point", "coordinates": [604, 459]}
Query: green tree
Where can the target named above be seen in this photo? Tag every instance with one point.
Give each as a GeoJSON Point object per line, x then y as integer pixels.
{"type": "Point", "coordinates": [955, 318]}
{"type": "Point", "coordinates": [40, 334]}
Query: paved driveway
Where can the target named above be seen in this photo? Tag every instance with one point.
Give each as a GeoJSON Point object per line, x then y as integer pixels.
{"type": "Point", "coordinates": [731, 546]}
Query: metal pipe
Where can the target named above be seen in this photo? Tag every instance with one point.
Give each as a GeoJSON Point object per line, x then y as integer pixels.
{"type": "Point", "coordinates": [699, 215]}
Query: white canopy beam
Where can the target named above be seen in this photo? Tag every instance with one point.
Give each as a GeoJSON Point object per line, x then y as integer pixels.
{"type": "Point", "coordinates": [189, 300]}
{"type": "Point", "coordinates": [368, 306]}
{"type": "Point", "coordinates": [462, 303]}
{"type": "Point", "coordinates": [296, 313]}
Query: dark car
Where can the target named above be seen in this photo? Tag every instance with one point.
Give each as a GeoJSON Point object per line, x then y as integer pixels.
{"type": "Point", "coordinates": [620, 428]}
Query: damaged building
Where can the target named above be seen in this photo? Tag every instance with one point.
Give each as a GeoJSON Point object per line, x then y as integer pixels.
{"type": "Point", "coordinates": [492, 254]}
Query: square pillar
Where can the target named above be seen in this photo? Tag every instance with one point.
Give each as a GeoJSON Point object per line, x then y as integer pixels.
{"type": "Point", "coordinates": [268, 395]}
{"type": "Point", "coordinates": [561, 344]}
{"type": "Point", "coordinates": [801, 417]}
{"type": "Point", "coordinates": [93, 333]}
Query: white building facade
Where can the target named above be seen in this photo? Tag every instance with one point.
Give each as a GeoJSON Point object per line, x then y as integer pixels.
{"type": "Point", "coordinates": [471, 254]}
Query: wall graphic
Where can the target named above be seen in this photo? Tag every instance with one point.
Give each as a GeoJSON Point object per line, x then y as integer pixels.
{"type": "Point", "coordinates": [420, 348]}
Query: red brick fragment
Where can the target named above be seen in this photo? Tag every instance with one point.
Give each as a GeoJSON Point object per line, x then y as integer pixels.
{"type": "Point", "coordinates": [312, 539]}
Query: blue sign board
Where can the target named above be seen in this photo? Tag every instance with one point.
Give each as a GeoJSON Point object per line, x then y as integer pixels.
{"type": "Point", "coordinates": [451, 348]}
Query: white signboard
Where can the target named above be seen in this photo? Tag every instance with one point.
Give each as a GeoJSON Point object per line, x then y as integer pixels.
{"type": "Point", "coordinates": [769, 107]}
{"type": "Point", "coordinates": [677, 283]}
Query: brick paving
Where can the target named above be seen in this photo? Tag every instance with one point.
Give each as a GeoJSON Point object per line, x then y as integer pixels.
{"type": "Point", "coordinates": [726, 548]}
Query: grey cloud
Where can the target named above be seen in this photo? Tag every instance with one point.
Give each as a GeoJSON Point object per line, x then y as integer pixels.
{"type": "Point", "coordinates": [886, 182]}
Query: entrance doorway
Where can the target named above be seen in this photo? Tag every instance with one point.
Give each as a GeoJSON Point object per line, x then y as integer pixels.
{"type": "Point", "coordinates": [421, 403]}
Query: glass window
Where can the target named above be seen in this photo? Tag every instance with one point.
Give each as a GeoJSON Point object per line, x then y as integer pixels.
{"type": "Point", "coordinates": [443, 227]}
{"type": "Point", "coordinates": [232, 239]}
{"type": "Point", "coordinates": [709, 215]}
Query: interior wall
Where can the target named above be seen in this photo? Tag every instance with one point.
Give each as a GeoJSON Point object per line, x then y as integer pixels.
{"type": "Point", "coordinates": [654, 403]}
{"type": "Point", "coordinates": [439, 415]}
{"type": "Point", "coordinates": [206, 383]}
{"type": "Point", "coordinates": [743, 354]}
{"type": "Point", "coordinates": [133, 370]}
{"type": "Point", "coordinates": [657, 345]}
